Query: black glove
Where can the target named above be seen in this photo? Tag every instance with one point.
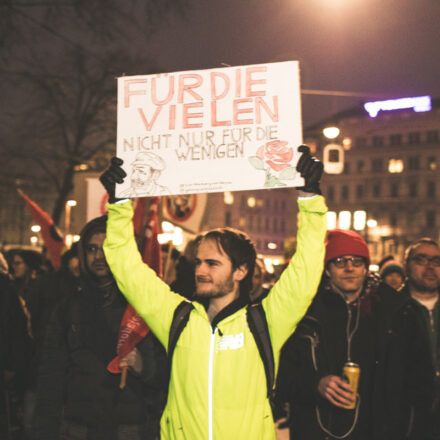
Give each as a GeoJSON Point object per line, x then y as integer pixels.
{"type": "Point", "coordinates": [310, 169]}
{"type": "Point", "coordinates": [110, 177]}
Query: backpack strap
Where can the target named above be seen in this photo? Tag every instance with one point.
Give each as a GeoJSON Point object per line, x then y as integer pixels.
{"type": "Point", "coordinates": [180, 319]}
{"type": "Point", "coordinates": [256, 318]}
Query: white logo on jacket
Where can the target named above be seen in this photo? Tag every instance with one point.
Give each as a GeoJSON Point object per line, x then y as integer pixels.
{"type": "Point", "coordinates": [230, 342]}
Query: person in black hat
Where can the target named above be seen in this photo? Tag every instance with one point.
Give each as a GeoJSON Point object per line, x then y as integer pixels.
{"type": "Point", "coordinates": [392, 273]}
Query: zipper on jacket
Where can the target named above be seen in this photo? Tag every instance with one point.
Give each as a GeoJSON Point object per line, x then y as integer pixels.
{"type": "Point", "coordinates": [210, 384]}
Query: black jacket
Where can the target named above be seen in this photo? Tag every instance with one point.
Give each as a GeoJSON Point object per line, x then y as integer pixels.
{"type": "Point", "coordinates": [391, 346]}
{"type": "Point", "coordinates": [73, 380]}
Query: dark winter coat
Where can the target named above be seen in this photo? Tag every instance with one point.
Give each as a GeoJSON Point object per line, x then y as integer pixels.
{"type": "Point", "coordinates": [392, 348]}
{"type": "Point", "coordinates": [73, 380]}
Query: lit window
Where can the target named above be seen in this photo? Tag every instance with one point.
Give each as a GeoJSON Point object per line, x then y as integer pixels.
{"type": "Point", "coordinates": [432, 163]}
{"type": "Point", "coordinates": [372, 223]}
{"type": "Point", "coordinates": [228, 198]}
{"type": "Point", "coordinates": [331, 220]}
{"type": "Point", "coordinates": [359, 220]}
{"type": "Point", "coordinates": [251, 202]}
{"type": "Point", "coordinates": [242, 222]}
{"type": "Point", "coordinates": [344, 219]}
{"type": "Point", "coordinates": [272, 245]}
{"type": "Point", "coordinates": [395, 165]}
{"type": "Point", "coordinates": [346, 143]}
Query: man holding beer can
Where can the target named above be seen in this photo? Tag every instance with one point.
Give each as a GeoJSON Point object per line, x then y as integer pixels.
{"type": "Point", "coordinates": [358, 366]}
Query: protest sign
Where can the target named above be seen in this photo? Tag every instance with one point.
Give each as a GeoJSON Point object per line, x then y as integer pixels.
{"type": "Point", "coordinates": [234, 128]}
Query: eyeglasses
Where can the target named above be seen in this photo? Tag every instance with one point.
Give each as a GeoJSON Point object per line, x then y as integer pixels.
{"type": "Point", "coordinates": [341, 262]}
{"type": "Point", "coordinates": [93, 249]}
{"type": "Point", "coordinates": [424, 260]}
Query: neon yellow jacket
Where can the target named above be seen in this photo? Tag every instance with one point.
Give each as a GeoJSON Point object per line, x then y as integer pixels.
{"type": "Point", "coordinates": [218, 384]}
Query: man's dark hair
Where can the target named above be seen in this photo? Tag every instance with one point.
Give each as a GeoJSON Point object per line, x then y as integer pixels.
{"type": "Point", "coordinates": [412, 246]}
{"type": "Point", "coordinates": [240, 250]}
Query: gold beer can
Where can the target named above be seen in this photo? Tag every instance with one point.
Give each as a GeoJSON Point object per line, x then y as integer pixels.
{"type": "Point", "coordinates": [351, 373]}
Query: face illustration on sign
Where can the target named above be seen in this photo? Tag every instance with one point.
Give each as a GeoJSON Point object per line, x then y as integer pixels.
{"type": "Point", "coordinates": [145, 172]}
{"type": "Point", "coordinates": [181, 207]}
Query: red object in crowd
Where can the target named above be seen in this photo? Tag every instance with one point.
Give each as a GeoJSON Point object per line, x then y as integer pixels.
{"type": "Point", "coordinates": [52, 237]}
{"type": "Point", "coordinates": [133, 328]}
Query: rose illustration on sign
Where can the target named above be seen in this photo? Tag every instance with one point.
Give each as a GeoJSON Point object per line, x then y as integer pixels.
{"type": "Point", "coordinates": [275, 159]}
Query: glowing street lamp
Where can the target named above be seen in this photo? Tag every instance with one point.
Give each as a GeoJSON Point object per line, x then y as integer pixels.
{"type": "Point", "coordinates": [331, 132]}
{"type": "Point", "coordinates": [69, 205]}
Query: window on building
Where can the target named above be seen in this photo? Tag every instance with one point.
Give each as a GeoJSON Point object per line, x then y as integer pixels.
{"type": "Point", "coordinates": [432, 163]}
{"type": "Point", "coordinates": [268, 203]}
{"type": "Point", "coordinates": [243, 201]}
{"type": "Point", "coordinates": [346, 167]}
{"type": "Point", "coordinates": [413, 189]}
{"type": "Point", "coordinates": [430, 219]}
{"type": "Point", "coordinates": [228, 218]}
{"type": "Point", "coordinates": [395, 166]}
{"type": "Point", "coordinates": [275, 225]}
{"type": "Point", "coordinates": [360, 166]}
{"type": "Point", "coordinates": [331, 193]}
{"type": "Point", "coordinates": [393, 219]}
{"type": "Point", "coordinates": [377, 189]}
{"type": "Point", "coordinates": [360, 192]}
{"type": "Point", "coordinates": [275, 205]}
{"type": "Point", "coordinates": [266, 226]}
{"type": "Point", "coordinates": [283, 225]}
{"type": "Point", "coordinates": [432, 136]}
{"type": "Point", "coordinates": [345, 190]}
{"type": "Point", "coordinates": [251, 223]}
{"type": "Point", "coordinates": [413, 162]}
{"type": "Point", "coordinates": [283, 206]}
{"type": "Point", "coordinates": [360, 142]}
{"type": "Point", "coordinates": [394, 190]}
{"type": "Point", "coordinates": [414, 137]}
{"type": "Point", "coordinates": [377, 165]}
{"type": "Point", "coordinates": [378, 141]}
{"type": "Point", "coordinates": [396, 139]}
{"type": "Point", "coordinates": [258, 223]}
{"type": "Point", "coordinates": [430, 189]}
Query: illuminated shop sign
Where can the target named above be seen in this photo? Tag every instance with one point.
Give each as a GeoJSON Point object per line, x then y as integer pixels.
{"type": "Point", "coordinates": [418, 103]}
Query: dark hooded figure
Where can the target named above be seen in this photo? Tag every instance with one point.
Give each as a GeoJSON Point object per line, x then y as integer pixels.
{"type": "Point", "coordinates": [77, 398]}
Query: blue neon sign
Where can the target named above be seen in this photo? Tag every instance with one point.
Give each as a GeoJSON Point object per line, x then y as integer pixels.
{"type": "Point", "coordinates": [418, 103]}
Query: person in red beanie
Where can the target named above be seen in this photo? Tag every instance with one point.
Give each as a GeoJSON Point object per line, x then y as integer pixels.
{"type": "Point", "coordinates": [358, 319]}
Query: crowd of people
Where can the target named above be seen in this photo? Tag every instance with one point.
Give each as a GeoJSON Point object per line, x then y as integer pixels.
{"type": "Point", "coordinates": [228, 350]}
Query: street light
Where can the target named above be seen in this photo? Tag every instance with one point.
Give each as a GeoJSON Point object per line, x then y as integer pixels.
{"type": "Point", "coordinates": [69, 205]}
{"type": "Point", "coordinates": [331, 132]}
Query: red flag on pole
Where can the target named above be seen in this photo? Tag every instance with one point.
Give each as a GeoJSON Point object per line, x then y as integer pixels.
{"type": "Point", "coordinates": [52, 237]}
{"type": "Point", "coordinates": [133, 328]}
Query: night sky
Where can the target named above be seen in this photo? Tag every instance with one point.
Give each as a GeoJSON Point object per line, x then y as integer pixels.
{"type": "Point", "coordinates": [387, 48]}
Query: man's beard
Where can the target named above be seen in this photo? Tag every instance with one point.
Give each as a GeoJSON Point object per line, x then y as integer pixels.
{"type": "Point", "coordinates": [218, 290]}
{"type": "Point", "coordinates": [421, 287]}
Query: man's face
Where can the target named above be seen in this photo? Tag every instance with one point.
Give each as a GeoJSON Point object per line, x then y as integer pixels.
{"type": "Point", "coordinates": [141, 175]}
{"type": "Point", "coordinates": [349, 278]}
{"type": "Point", "coordinates": [95, 257]}
{"type": "Point", "coordinates": [73, 266]}
{"type": "Point", "coordinates": [424, 278]}
{"type": "Point", "coordinates": [215, 277]}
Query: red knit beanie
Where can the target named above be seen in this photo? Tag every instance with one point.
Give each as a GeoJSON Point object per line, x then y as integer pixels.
{"type": "Point", "coordinates": [341, 242]}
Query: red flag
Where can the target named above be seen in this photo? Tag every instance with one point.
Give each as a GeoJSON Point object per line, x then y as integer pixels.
{"type": "Point", "coordinates": [133, 328]}
{"type": "Point", "coordinates": [52, 237]}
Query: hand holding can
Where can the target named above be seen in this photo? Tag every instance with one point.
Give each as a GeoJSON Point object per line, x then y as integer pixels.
{"type": "Point", "coordinates": [351, 373]}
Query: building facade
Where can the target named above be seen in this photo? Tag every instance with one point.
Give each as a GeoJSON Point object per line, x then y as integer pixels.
{"type": "Point", "coordinates": [389, 187]}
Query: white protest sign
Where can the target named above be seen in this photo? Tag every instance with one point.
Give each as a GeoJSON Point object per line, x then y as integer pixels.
{"type": "Point", "coordinates": [234, 128]}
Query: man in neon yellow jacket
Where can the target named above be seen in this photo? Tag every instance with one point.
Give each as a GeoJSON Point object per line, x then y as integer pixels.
{"type": "Point", "coordinates": [217, 387]}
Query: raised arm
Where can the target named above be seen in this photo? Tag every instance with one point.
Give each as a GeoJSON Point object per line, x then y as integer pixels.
{"type": "Point", "coordinates": [291, 296]}
{"type": "Point", "coordinates": [144, 290]}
